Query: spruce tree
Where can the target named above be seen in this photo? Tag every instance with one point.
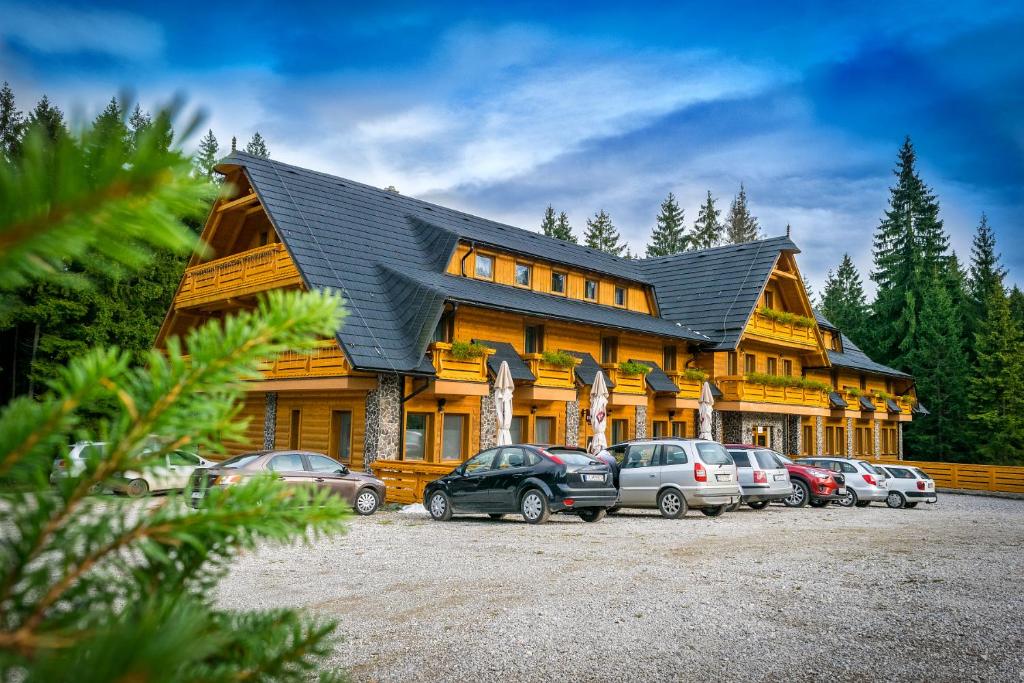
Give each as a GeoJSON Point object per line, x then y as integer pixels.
{"type": "Point", "coordinates": [740, 225]}
{"type": "Point", "coordinates": [112, 135]}
{"type": "Point", "coordinates": [563, 230]}
{"type": "Point", "coordinates": [11, 123]}
{"type": "Point", "coordinates": [1016, 301]}
{"type": "Point", "coordinates": [986, 274]}
{"type": "Point", "coordinates": [996, 393]}
{"type": "Point", "coordinates": [669, 235]}
{"type": "Point", "coordinates": [811, 296]}
{"type": "Point", "coordinates": [206, 156]}
{"type": "Point", "coordinates": [602, 235]}
{"type": "Point", "coordinates": [48, 119]}
{"type": "Point", "coordinates": [843, 301]}
{"type": "Point", "coordinates": [939, 365]}
{"type": "Point", "coordinates": [257, 147]}
{"type": "Point", "coordinates": [547, 224]}
{"type": "Point", "coordinates": [707, 231]}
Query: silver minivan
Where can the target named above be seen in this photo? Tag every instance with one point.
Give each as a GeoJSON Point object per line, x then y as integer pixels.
{"type": "Point", "coordinates": [674, 475]}
{"type": "Point", "coordinates": [762, 476]}
{"type": "Point", "coordinates": [864, 483]}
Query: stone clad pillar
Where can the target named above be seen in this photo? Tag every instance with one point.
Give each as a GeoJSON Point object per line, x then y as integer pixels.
{"type": "Point", "coordinates": [877, 433]}
{"type": "Point", "coordinates": [795, 438]}
{"type": "Point", "coordinates": [899, 431]}
{"type": "Point", "coordinates": [488, 420]}
{"type": "Point", "coordinates": [269, 420]}
{"type": "Point", "coordinates": [849, 437]}
{"type": "Point", "coordinates": [819, 435]}
{"type": "Point", "coordinates": [640, 429]}
{"type": "Point", "coordinates": [383, 420]}
{"type": "Point", "coordinates": [572, 423]}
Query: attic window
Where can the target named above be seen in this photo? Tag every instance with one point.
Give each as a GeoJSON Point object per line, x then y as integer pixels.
{"type": "Point", "coordinates": [558, 283]}
{"type": "Point", "coordinates": [620, 296]}
{"type": "Point", "coordinates": [484, 268]}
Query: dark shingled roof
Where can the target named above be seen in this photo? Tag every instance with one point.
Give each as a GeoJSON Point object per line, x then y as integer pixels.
{"type": "Point", "coordinates": [836, 400]}
{"type": "Point", "coordinates": [588, 369]}
{"type": "Point", "coordinates": [892, 405]}
{"type": "Point", "coordinates": [656, 379]}
{"type": "Point", "coordinates": [714, 291]}
{"type": "Point", "coordinates": [851, 356]}
{"type": "Point", "coordinates": [503, 351]}
{"type": "Point", "coordinates": [866, 404]}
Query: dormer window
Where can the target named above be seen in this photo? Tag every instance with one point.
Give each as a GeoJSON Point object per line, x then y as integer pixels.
{"type": "Point", "coordinates": [524, 275]}
{"type": "Point", "coordinates": [590, 290]}
{"type": "Point", "coordinates": [558, 283]}
{"type": "Point", "coordinates": [484, 267]}
{"type": "Point", "coordinates": [620, 296]}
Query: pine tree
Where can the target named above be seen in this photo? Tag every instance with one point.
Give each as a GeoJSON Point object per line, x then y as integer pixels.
{"type": "Point", "coordinates": [1016, 301]}
{"type": "Point", "coordinates": [811, 295]}
{"type": "Point", "coordinates": [843, 301]}
{"type": "Point", "coordinates": [48, 119]}
{"type": "Point", "coordinates": [996, 388]}
{"type": "Point", "coordinates": [740, 225]}
{"type": "Point", "coordinates": [112, 136]}
{"type": "Point", "coordinates": [939, 365]}
{"type": "Point", "coordinates": [257, 147]}
{"type": "Point", "coordinates": [207, 155]}
{"type": "Point", "coordinates": [548, 224]}
{"type": "Point", "coordinates": [602, 235]}
{"type": "Point", "coordinates": [707, 231]}
{"type": "Point", "coordinates": [563, 230]}
{"type": "Point", "coordinates": [669, 235]}
{"type": "Point", "coordinates": [11, 123]}
{"type": "Point", "coordinates": [910, 249]}
{"type": "Point", "coordinates": [986, 274]}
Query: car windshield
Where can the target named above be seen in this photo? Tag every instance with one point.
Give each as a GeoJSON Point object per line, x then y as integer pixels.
{"type": "Point", "coordinates": [239, 461]}
{"type": "Point", "coordinates": [713, 454]}
{"type": "Point", "coordinates": [570, 457]}
{"type": "Point", "coordinates": [768, 460]}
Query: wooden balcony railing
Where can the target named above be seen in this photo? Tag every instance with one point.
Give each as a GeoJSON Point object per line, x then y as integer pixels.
{"type": "Point", "coordinates": [248, 272]}
{"type": "Point", "coordinates": [549, 375]}
{"type": "Point", "coordinates": [327, 360]}
{"type": "Point", "coordinates": [688, 388]}
{"type": "Point", "coordinates": [775, 330]}
{"type": "Point", "coordinates": [448, 367]}
{"type": "Point", "coordinates": [624, 383]}
{"type": "Point", "coordinates": [739, 389]}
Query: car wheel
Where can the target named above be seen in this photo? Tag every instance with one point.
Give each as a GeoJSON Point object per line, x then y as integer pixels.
{"type": "Point", "coordinates": [714, 512]}
{"type": "Point", "coordinates": [911, 505]}
{"type": "Point", "coordinates": [367, 502]}
{"type": "Point", "coordinates": [818, 503]}
{"type": "Point", "coordinates": [758, 504]}
{"type": "Point", "coordinates": [671, 504]}
{"type": "Point", "coordinates": [850, 499]}
{"type": "Point", "coordinates": [440, 506]}
{"type": "Point", "coordinates": [801, 494]}
{"type": "Point", "coordinates": [496, 515]}
{"type": "Point", "coordinates": [863, 503]}
{"type": "Point", "coordinates": [592, 514]}
{"type": "Point", "coordinates": [137, 488]}
{"type": "Point", "coordinates": [895, 500]}
{"type": "Point", "coordinates": [534, 507]}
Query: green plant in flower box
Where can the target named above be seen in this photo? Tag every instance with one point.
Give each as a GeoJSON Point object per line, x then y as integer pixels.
{"type": "Point", "coordinates": [629, 367]}
{"type": "Point", "coordinates": [694, 374]}
{"type": "Point", "coordinates": [787, 317]}
{"type": "Point", "coordinates": [558, 359]}
{"type": "Point", "coordinates": [463, 350]}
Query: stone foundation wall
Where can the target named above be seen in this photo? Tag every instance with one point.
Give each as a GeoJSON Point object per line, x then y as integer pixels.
{"type": "Point", "coordinates": [640, 428]}
{"type": "Point", "coordinates": [572, 423]}
{"type": "Point", "coordinates": [739, 428]}
{"type": "Point", "coordinates": [269, 420]}
{"type": "Point", "coordinates": [383, 420]}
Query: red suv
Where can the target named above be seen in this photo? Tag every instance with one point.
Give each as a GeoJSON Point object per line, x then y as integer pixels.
{"type": "Point", "coordinates": [813, 485]}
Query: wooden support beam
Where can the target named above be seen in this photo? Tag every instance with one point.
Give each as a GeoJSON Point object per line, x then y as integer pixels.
{"type": "Point", "coordinates": [236, 203]}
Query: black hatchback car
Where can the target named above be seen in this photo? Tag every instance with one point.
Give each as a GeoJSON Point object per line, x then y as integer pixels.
{"type": "Point", "coordinates": [526, 479]}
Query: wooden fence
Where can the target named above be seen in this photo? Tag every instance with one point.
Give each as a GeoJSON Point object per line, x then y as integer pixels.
{"type": "Point", "coordinates": [406, 480]}
{"type": "Point", "coordinates": [954, 475]}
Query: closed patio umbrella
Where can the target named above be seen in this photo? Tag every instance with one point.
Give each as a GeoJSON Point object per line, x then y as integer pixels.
{"type": "Point", "coordinates": [598, 413]}
{"type": "Point", "coordinates": [503, 388]}
{"type": "Point", "coordinates": [706, 409]}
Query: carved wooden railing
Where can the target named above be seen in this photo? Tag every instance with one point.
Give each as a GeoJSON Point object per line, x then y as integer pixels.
{"type": "Point", "coordinates": [240, 274]}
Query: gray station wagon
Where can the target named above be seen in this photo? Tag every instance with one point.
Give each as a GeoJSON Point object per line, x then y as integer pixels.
{"type": "Point", "coordinates": [674, 475]}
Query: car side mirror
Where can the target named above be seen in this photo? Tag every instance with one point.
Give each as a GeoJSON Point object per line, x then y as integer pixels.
{"type": "Point", "coordinates": [343, 470]}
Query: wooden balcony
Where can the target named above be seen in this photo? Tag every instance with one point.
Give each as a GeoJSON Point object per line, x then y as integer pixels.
{"type": "Point", "coordinates": [628, 389]}
{"type": "Point", "coordinates": [688, 388]}
{"type": "Point", "coordinates": [549, 375]}
{"type": "Point", "coordinates": [450, 368]}
{"type": "Point", "coordinates": [775, 331]}
{"type": "Point", "coordinates": [243, 274]}
{"type": "Point", "coordinates": [739, 389]}
{"type": "Point", "coordinates": [326, 360]}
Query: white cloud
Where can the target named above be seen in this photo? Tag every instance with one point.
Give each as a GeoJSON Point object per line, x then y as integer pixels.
{"type": "Point", "coordinates": [61, 29]}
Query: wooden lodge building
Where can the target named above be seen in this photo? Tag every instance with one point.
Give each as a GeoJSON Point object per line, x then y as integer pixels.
{"type": "Point", "coordinates": [437, 298]}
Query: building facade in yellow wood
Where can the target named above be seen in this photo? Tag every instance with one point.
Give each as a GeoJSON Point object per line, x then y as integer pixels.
{"type": "Point", "coordinates": [438, 299]}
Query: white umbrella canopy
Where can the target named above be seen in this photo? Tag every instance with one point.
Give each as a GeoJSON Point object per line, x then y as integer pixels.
{"type": "Point", "coordinates": [706, 409]}
{"type": "Point", "coordinates": [598, 413]}
{"type": "Point", "coordinates": [503, 388]}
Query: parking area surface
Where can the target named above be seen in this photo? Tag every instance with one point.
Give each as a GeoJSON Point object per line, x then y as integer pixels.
{"type": "Point", "coordinates": [935, 593]}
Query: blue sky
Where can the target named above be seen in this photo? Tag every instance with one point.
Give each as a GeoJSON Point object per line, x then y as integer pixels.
{"type": "Point", "coordinates": [501, 109]}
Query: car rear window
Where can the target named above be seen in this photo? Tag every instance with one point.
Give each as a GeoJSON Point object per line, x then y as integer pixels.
{"type": "Point", "coordinates": [899, 472]}
{"type": "Point", "coordinates": [239, 461]}
{"type": "Point", "coordinates": [713, 454]}
{"type": "Point", "coordinates": [740, 458]}
{"type": "Point", "coordinates": [869, 467]}
{"type": "Point", "coordinates": [571, 458]}
{"type": "Point", "coordinates": [921, 473]}
{"type": "Point", "coordinates": [766, 459]}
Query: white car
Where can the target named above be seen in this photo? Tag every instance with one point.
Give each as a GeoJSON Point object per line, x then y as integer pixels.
{"type": "Point", "coordinates": [908, 486]}
{"type": "Point", "coordinates": [172, 475]}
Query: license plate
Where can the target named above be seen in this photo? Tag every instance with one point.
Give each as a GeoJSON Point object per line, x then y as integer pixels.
{"type": "Point", "coordinates": [723, 477]}
{"type": "Point", "coordinates": [840, 492]}
{"type": "Point", "coordinates": [780, 477]}
{"type": "Point", "coordinates": [197, 494]}
{"type": "Point", "coordinates": [593, 477]}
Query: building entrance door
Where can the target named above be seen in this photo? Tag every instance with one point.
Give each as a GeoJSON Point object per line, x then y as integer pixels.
{"type": "Point", "coordinates": [762, 436]}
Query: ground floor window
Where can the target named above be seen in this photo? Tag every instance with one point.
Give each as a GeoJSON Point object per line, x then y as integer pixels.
{"type": "Point", "coordinates": [620, 431]}
{"type": "Point", "coordinates": [679, 430]}
{"type": "Point", "coordinates": [659, 429]}
{"type": "Point", "coordinates": [518, 429]}
{"type": "Point", "coordinates": [341, 435]}
{"type": "Point", "coordinates": [417, 436]}
{"type": "Point", "coordinates": [453, 437]}
{"type": "Point", "coordinates": [544, 430]}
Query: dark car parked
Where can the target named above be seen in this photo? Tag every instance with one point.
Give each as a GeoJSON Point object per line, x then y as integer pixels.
{"type": "Point", "coordinates": [530, 480]}
{"type": "Point", "coordinates": [363, 492]}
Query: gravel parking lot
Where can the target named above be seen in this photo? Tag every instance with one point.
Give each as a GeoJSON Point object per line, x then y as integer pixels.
{"type": "Point", "coordinates": [836, 594]}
